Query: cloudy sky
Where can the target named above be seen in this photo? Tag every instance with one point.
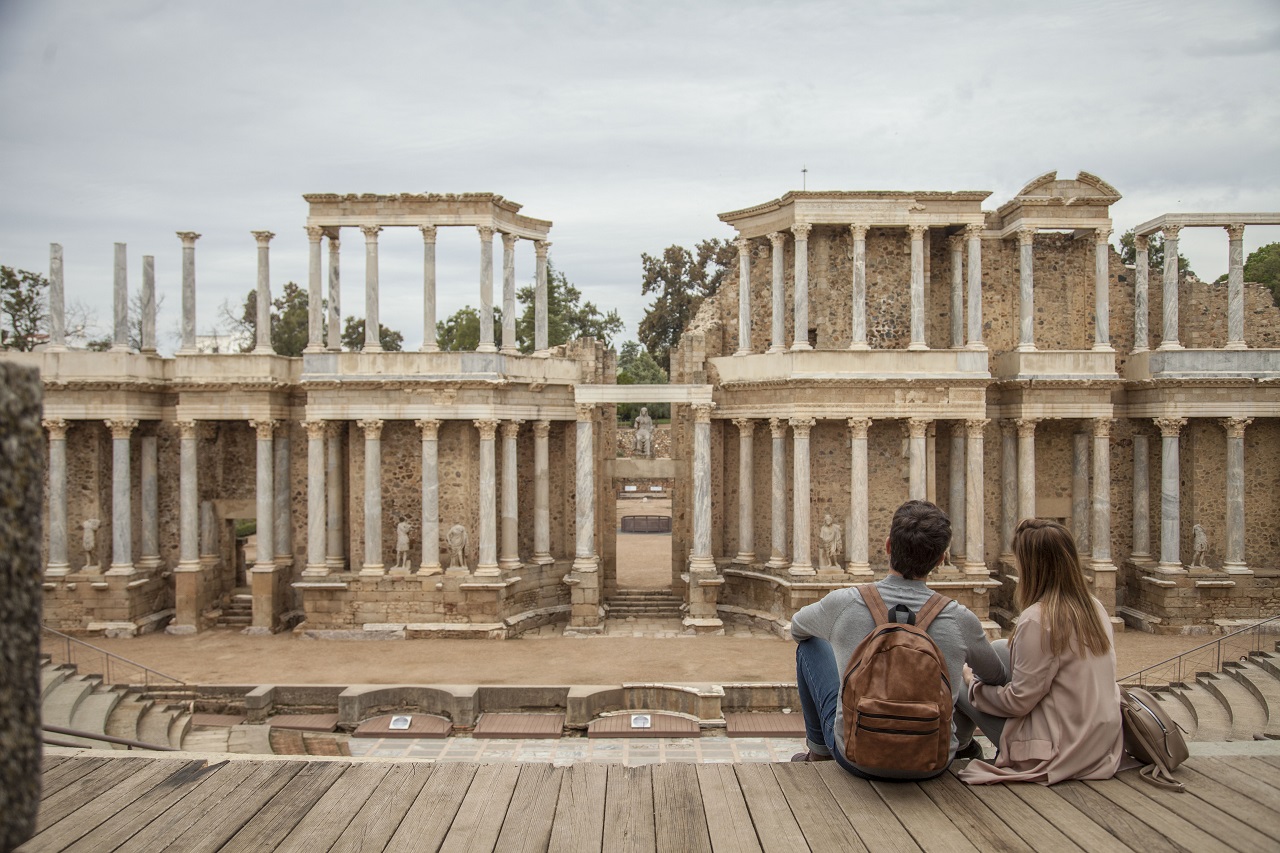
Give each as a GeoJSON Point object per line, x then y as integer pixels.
{"type": "Point", "coordinates": [629, 125]}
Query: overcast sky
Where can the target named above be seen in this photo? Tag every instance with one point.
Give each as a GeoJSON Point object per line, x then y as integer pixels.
{"type": "Point", "coordinates": [629, 125]}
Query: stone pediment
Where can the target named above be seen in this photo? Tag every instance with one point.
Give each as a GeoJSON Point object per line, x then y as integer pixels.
{"type": "Point", "coordinates": [1052, 202]}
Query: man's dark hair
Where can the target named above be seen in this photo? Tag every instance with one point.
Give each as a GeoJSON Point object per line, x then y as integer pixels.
{"type": "Point", "coordinates": [918, 537]}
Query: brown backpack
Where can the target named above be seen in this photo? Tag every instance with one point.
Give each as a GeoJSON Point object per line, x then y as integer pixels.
{"type": "Point", "coordinates": [896, 695]}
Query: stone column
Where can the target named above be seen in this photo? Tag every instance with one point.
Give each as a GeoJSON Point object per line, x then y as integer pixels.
{"type": "Point", "coordinates": [1008, 487]}
{"type": "Point", "coordinates": [121, 497]}
{"type": "Point", "coordinates": [542, 494]}
{"type": "Point", "coordinates": [974, 283]}
{"type": "Point", "coordinates": [1080, 500]}
{"type": "Point", "coordinates": [486, 233]}
{"type": "Point", "coordinates": [429, 292]}
{"type": "Point", "coordinates": [746, 491]}
{"type": "Point", "coordinates": [188, 497]}
{"type": "Point", "coordinates": [1141, 311]}
{"type": "Point", "coordinates": [802, 565]}
{"type": "Point", "coordinates": [58, 563]}
{"type": "Point", "coordinates": [373, 565]}
{"type": "Point", "coordinates": [283, 515]}
{"type": "Point", "coordinates": [917, 287]}
{"type": "Point", "coordinates": [1026, 290]}
{"type": "Point", "coordinates": [974, 495]}
{"type": "Point", "coordinates": [57, 302]}
{"type": "Point", "coordinates": [800, 340]}
{"type": "Point", "coordinates": [262, 340]}
{"type": "Point", "coordinates": [208, 534]}
{"type": "Point", "coordinates": [1102, 290]}
{"type": "Point", "coordinates": [584, 492]}
{"type": "Point", "coordinates": [1027, 467]}
{"type": "Point", "coordinates": [188, 239]}
{"type": "Point", "coordinates": [1170, 494]}
{"type": "Point", "coordinates": [1101, 533]}
{"type": "Point", "coordinates": [1141, 499]}
{"type": "Point", "coordinates": [509, 559]}
{"type": "Point", "coordinates": [859, 481]}
{"type": "Point", "coordinates": [120, 301]}
{"type": "Point", "coordinates": [778, 342]}
{"type": "Point", "coordinates": [1169, 338]}
{"type": "Point", "coordinates": [430, 496]}
{"type": "Point", "coordinates": [372, 322]}
{"type": "Point", "coordinates": [917, 476]}
{"type": "Point", "coordinates": [1235, 557]}
{"type": "Point", "coordinates": [956, 507]}
{"type": "Point", "coordinates": [702, 560]}
{"type": "Point", "coordinates": [335, 292]}
{"type": "Point", "coordinates": [540, 346]}
{"type": "Point", "coordinates": [147, 338]}
{"type": "Point", "coordinates": [335, 543]}
{"type": "Point", "coordinates": [487, 563]}
{"type": "Point", "coordinates": [859, 234]}
{"type": "Point", "coordinates": [931, 463]}
{"type": "Point", "coordinates": [315, 299]}
{"type": "Point", "coordinates": [744, 296]}
{"type": "Point", "coordinates": [509, 294]}
{"type": "Point", "coordinates": [956, 242]}
{"type": "Point", "coordinates": [149, 552]}
{"type": "Point", "coordinates": [316, 565]}
{"type": "Point", "coordinates": [1235, 287]}
{"type": "Point", "coordinates": [778, 500]}
{"type": "Point", "coordinates": [265, 521]}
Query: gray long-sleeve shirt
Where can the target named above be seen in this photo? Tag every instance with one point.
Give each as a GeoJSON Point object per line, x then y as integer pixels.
{"type": "Point", "coordinates": [843, 620]}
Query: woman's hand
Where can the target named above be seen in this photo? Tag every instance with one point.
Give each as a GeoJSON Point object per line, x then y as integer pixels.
{"type": "Point", "coordinates": [968, 676]}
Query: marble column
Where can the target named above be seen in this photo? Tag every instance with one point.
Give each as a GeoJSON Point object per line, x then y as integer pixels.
{"type": "Point", "coordinates": [802, 564]}
{"type": "Point", "coordinates": [917, 477]}
{"type": "Point", "coordinates": [701, 560]}
{"type": "Point", "coordinates": [540, 346]}
{"type": "Point", "coordinates": [486, 233]}
{"type": "Point", "coordinates": [584, 492]}
{"type": "Point", "coordinates": [188, 497]}
{"type": "Point", "coordinates": [1170, 493]}
{"type": "Point", "coordinates": [956, 242]}
{"type": "Point", "coordinates": [265, 521]}
{"type": "Point", "coordinates": [188, 239]}
{"type": "Point", "coordinates": [917, 233]}
{"type": "Point", "coordinates": [429, 343]}
{"type": "Point", "coordinates": [1027, 467]}
{"type": "Point", "coordinates": [974, 498]}
{"type": "Point", "coordinates": [859, 234]}
{"type": "Point", "coordinates": [1235, 556]}
{"type": "Point", "coordinates": [509, 294]}
{"type": "Point", "coordinates": [315, 297]}
{"type": "Point", "coordinates": [1235, 287]}
{"type": "Point", "coordinates": [1026, 290]}
{"type": "Point", "coordinates": [1008, 487]}
{"type": "Point", "coordinates": [778, 501]}
{"type": "Point", "coordinates": [509, 558]}
{"type": "Point", "coordinates": [1102, 290]}
{"type": "Point", "coordinates": [859, 483]}
{"type": "Point", "coordinates": [57, 302]}
{"type": "Point", "coordinates": [1141, 552]}
{"type": "Point", "coordinates": [430, 527]}
{"type": "Point", "coordinates": [974, 286]}
{"type": "Point", "coordinates": [956, 506]}
{"type": "Point", "coordinates": [147, 297]}
{"type": "Point", "coordinates": [542, 493]}
{"type": "Point", "coordinates": [931, 463]}
{"type": "Point", "coordinates": [372, 321]}
{"type": "Point", "coordinates": [373, 565]}
{"type": "Point", "coordinates": [778, 333]}
{"type": "Point", "coordinates": [1169, 336]}
{"type": "Point", "coordinates": [283, 514]}
{"type": "Point", "coordinates": [121, 497]}
{"type": "Point", "coordinates": [316, 565]}
{"type": "Point", "coordinates": [335, 544]}
{"type": "Point", "coordinates": [120, 301]}
{"type": "Point", "coordinates": [148, 457]}
{"type": "Point", "coordinates": [262, 339]}
{"type": "Point", "coordinates": [58, 563]}
{"type": "Point", "coordinates": [1101, 532]}
{"type": "Point", "coordinates": [1141, 277]}
{"type": "Point", "coordinates": [744, 296]}
{"type": "Point", "coordinates": [800, 340]}
{"type": "Point", "coordinates": [335, 292]}
{"type": "Point", "coordinates": [487, 564]}
{"type": "Point", "coordinates": [746, 491]}
{"type": "Point", "coordinates": [1080, 498]}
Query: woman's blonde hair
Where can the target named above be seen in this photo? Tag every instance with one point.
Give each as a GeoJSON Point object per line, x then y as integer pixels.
{"type": "Point", "coordinates": [1049, 572]}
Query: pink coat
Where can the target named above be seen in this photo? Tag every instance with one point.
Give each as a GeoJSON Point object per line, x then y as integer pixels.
{"type": "Point", "coordinates": [1064, 711]}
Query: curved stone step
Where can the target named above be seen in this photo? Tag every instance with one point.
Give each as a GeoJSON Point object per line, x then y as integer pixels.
{"type": "Point", "coordinates": [1213, 722]}
{"type": "Point", "coordinates": [1179, 710]}
{"type": "Point", "coordinates": [250, 739]}
{"type": "Point", "coordinates": [1248, 716]}
{"type": "Point", "coordinates": [179, 726]}
{"type": "Point", "coordinates": [60, 705]}
{"type": "Point", "coordinates": [1269, 661]}
{"type": "Point", "coordinates": [92, 714]}
{"type": "Point", "coordinates": [207, 739]}
{"type": "Point", "coordinates": [50, 677]}
{"type": "Point", "coordinates": [1266, 689]}
{"type": "Point", "coordinates": [124, 720]}
{"type": "Point", "coordinates": [153, 726]}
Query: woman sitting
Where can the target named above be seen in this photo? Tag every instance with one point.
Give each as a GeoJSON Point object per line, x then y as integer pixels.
{"type": "Point", "coordinates": [1058, 717]}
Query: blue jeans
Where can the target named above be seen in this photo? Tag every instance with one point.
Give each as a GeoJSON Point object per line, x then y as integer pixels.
{"type": "Point", "coordinates": [818, 680]}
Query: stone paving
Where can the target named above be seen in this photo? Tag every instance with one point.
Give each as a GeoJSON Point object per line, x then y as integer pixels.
{"type": "Point", "coordinates": [632, 752]}
{"type": "Point", "coordinates": [659, 628]}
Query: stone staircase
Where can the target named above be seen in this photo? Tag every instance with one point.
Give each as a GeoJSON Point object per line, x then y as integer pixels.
{"type": "Point", "coordinates": [644, 604]}
{"type": "Point", "coordinates": [238, 612]}
{"type": "Point", "coordinates": [83, 702]}
{"type": "Point", "coordinates": [1240, 703]}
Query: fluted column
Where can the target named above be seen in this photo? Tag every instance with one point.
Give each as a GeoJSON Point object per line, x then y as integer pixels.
{"type": "Point", "coordinates": [744, 296]}
{"type": "Point", "coordinates": [1080, 498]}
{"type": "Point", "coordinates": [917, 476]}
{"type": "Point", "coordinates": [1141, 287]}
{"type": "Point", "coordinates": [372, 322]}
{"type": "Point", "coordinates": [1170, 493]}
{"type": "Point", "coordinates": [147, 336]}
{"type": "Point", "coordinates": [1169, 337]}
{"type": "Point", "coordinates": [373, 564]}
{"type": "Point", "coordinates": [701, 559]}
{"type": "Point", "coordinates": [120, 301]}
{"type": "Point", "coordinates": [1141, 551]}
{"type": "Point", "coordinates": [778, 333]}
{"type": "Point", "coordinates": [486, 233]}
{"type": "Point", "coordinates": [57, 302]}
{"type": "Point", "coordinates": [121, 498]}
{"type": "Point", "coordinates": [1026, 290]}
{"type": "Point", "coordinates": [58, 563]}
{"type": "Point", "coordinates": [1008, 487]}
{"type": "Point", "coordinates": [974, 495]}
{"type": "Point", "coordinates": [802, 564]}
{"type": "Point", "coordinates": [956, 506]}
{"type": "Point", "coordinates": [1102, 290]}
{"type": "Point", "coordinates": [778, 501]}
{"type": "Point", "coordinates": [542, 493]}
{"type": "Point", "coordinates": [509, 559]}
{"type": "Point", "coordinates": [487, 563]}
{"type": "Point", "coordinates": [315, 297]}
{"type": "Point", "coordinates": [188, 497]}
{"type": "Point", "coordinates": [859, 481]}
{"type": "Point", "coordinates": [509, 294]}
{"type": "Point", "coordinates": [335, 543]}
{"type": "Point", "coordinates": [262, 340]}
{"type": "Point", "coordinates": [430, 528]}
{"type": "Point", "coordinates": [429, 289]}
{"type": "Point", "coordinates": [956, 243]}
{"type": "Point", "coordinates": [334, 343]}
{"type": "Point", "coordinates": [540, 346]}
{"type": "Point", "coordinates": [283, 515]}
{"type": "Point", "coordinates": [746, 491]}
{"type": "Point", "coordinates": [974, 286]}
{"type": "Point", "coordinates": [148, 477]}
{"type": "Point", "coordinates": [1235, 287]}
{"type": "Point", "coordinates": [585, 491]}
{"type": "Point", "coordinates": [1027, 467]}
{"type": "Point", "coordinates": [1235, 557]}
{"type": "Point", "coordinates": [917, 287]}
{"type": "Point", "coordinates": [800, 341]}
{"type": "Point", "coordinates": [316, 565]}
{"type": "Point", "coordinates": [265, 521]}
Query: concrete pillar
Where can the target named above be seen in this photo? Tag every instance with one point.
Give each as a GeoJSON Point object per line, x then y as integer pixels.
{"type": "Point", "coordinates": [859, 234]}
{"type": "Point", "coordinates": [1027, 467]}
{"type": "Point", "coordinates": [335, 542]}
{"type": "Point", "coordinates": [58, 563]}
{"type": "Point", "coordinates": [974, 498]}
{"type": "Point", "coordinates": [1008, 487]}
{"type": "Point", "coordinates": [316, 564]}
{"type": "Point", "coordinates": [800, 341]}
{"type": "Point", "coordinates": [283, 514]}
{"type": "Point", "coordinates": [265, 521]}
{"type": "Point", "coordinates": [1026, 290]}
{"type": "Point", "coordinates": [149, 552]}
{"type": "Point", "coordinates": [917, 233]}
{"type": "Point", "coordinates": [1141, 551]}
{"type": "Point", "coordinates": [917, 478]}
{"type": "Point", "coordinates": [120, 301]}
{"type": "Point", "coordinates": [542, 494]}
{"type": "Point", "coordinates": [509, 294]}
{"type": "Point", "coordinates": [147, 336]}
{"type": "Point", "coordinates": [584, 491]}
{"type": "Point", "coordinates": [430, 496]}
{"type": "Point", "coordinates": [1235, 556]}
{"type": "Point", "coordinates": [1080, 497]}
{"type": "Point", "coordinates": [509, 559]}
{"type": "Point", "coordinates": [956, 242]}
{"type": "Point", "coordinates": [778, 502]}
{"type": "Point", "coordinates": [315, 298]}
{"type": "Point", "coordinates": [372, 321]}
{"type": "Point", "coordinates": [373, 565]}
{"type": "Point", "coordinates": [778, 340]}
{"type": "Point", "coordinates": [540, 346]}
{"type": "Point", "coordinates": [429, 343]}
{"type": "Point", "coordinates": [974, 286]}
{"type": "Point", "coordinates": [57, 302]}
{"type": "Point", "coordinates": [802, 564]}
{"type": "Point", "coordinates": [262, 340]}
{"type": "Point", "coordinates": [335, 292]}
{"type": "Point", "coordinates": [1102, 290]}
{"type": "Point", "coordinates": [859, 483]}
{"type": "Point", "coordinates": [188, 239]}
{"type": "Point", "coordinates": [1101, 539]}
{"type": "Point", "coordinates": [486, 233]}
{"type": "Point", "coordinates": [121, 497]}
{"type": "Point", "coordinates": [487, 563]}
{"type": "Point", "coordinates": [1169, 338]}
{"type": "Point", "coordinates": [1235, 287]}
{"type": "Point", "coordinates": [746, 491]}
{"type": "Point", "coordinates": [1170, 492]}
{"type": "Point", "coordinates": [956, 507]}
{"type": "Point", "coordinates": [744, 296]}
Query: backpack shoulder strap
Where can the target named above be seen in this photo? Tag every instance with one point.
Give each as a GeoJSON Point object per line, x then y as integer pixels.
{"type": "Point", "coordinates": [932, 607]}
{"type": "Point", "coordinates": [871, 597]}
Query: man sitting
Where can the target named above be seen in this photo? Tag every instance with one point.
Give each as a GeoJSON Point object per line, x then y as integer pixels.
{"type": "Point", "coordinates": [828, 632]}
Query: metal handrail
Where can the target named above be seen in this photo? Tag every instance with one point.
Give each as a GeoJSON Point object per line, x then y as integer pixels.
{"type": "Point", "coordinates": [1255, 630]}
{"type": "Point", "coordinates": [108, 658]}
{"type": "Point", "coordinates": [122, 741]}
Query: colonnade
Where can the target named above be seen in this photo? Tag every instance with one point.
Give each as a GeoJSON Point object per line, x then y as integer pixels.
{"type": "Point", "coordinates": [1101, 290]}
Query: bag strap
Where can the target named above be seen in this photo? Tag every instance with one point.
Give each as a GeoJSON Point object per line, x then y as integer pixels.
{"type": "Point", "coordinates": [932, 607]}
{"type": "Point", "coordinates": [1158, 776]}
{"type": "Point", "coordinates": [871, 598]}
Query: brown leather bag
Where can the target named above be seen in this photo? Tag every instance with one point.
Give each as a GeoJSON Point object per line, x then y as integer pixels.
{"type": "Point", "coordinates": [1152, 737]}
{"type": "Point", "coordinates": [895, 693]}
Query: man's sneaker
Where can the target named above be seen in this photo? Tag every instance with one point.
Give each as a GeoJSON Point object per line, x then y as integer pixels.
{"type": "Point", "coordinates": [810, 756]}
{"type": "Point", "coordinates": [972, 749]}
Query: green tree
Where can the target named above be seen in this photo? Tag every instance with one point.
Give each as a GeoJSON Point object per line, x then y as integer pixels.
{"type": "Point", "coordinates": [460, 332]}
{"type": "Point", "coordinates": [1155, 254]}
{"type": "Point", "coordinates": [679, 280]}
{"type": "Point", "coordinates": [23, 304]}
{"type": "Point", "coordinates": [353, 336]}
{"type": "Point", "coordinates": [637, 367]}
{"type": "Point", "coordinates": [1263, 266]}
{"type": "Point", "coordinates": [290, 321]}
{"type": "Point", "coordinates": [568, 317]}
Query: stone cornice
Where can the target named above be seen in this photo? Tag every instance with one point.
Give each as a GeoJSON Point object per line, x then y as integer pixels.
{"type": "Point", "coordinates": [856, 195]}
{"type": "Point", "coordinates": [854, 382]}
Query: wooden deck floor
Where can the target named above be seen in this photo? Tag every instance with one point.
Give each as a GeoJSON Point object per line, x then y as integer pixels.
{"type": "Point", "coordinates": [135, 803]}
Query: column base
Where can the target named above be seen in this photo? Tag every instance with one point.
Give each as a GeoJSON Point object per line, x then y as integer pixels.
{"type": "Point", "coordinates": [543, 559]}
{"type": "Point", "coordinates": [705, 565]}
{"type": "Point", "coordinates": [1236, 569]}
{"type": "Point", "coordinates": [510, 564]}
{"type": "Point", "coordinates": [376, 570]}
{"type": "Point", "coordinates": [1141, 559]}
{"type": "Point", "coordinates": [1101, 565]}
{"type": "Point", "coordinates": [1237, 345]}
{"type": "Point", "coordinates": [976, 567]}
{"type": "Point", "coordinates": [801, 570]}
{"type": "Point", "coordinates": [180, 351]}
{"type": "Point", "coordinates": [148, 564]}
{"type": "Point", "coordinates": [509, 351]}
{"type": "Point", "coordinates": [121, 570]}
{"type": "Point", "coordinates": [402, 571]}
{"type": "Point", "coordinates": [429, 348]}
{"type": "Point", "coordinates": [586, 564]}
{"type": "Point", "coordinates": [427, 569]}
{"type": "Point", "coordinates": [1168, 345]}
{"type": "Point", "coordinates": [1025, 348]}
{"type": "Point", "coordinates": [799, 347]}
{"type": "Point", "coordinates": [776, 562]}
{"type": "Point", "coordinates": [1103, 348]}
{"type": "Point", "coordinates": [917, 347]}
{"type": "Point", "coordinates": [776, 348]}
{"type": "Point", "coordinates": [743, 352]}
{"type": "Point", "coordinates": [457, 571]}
{"type": "Point", "coordinates": [542, 353]}
{"type": "Point", "coordinates": [1137, 350]}
{"type": "Point", "coordinates": [976, 346]}
{"type": "Point", "coordinates": [258, 350]}
{"type": "Point", "coordinates": [185, 566]}
{"type": "Point", "coordinates": [335, 564]}
{"type": "Point", "coordinates": [316, 571]}
{"type": "Point", "coordinates": [263, 568]}
{"type": "Point", "coordinates": [313, 348]}
{"type": "Point", "coordinates": [57, 570]}
{"type": "Point", "coordinates": [744, 558]}
{"type": "Point", "coordinates": [860, 346]}
{"type": "Point", "coordinates": [486, 348]}
{"type": "Point", "coordinates": [861, 569]}
{"type": "Point", "coordinates": [1170, 569]}
{"type": "Point", "coordinates": [371, 348]}
{"type": "Point", "coordinates": [489, 570]}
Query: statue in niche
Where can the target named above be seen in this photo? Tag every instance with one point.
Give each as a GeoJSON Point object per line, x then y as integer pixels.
{"type": "Point", "coordinates": [1199, 547]}
{"type": "Point", "coordinates": [402, 544]}
{"type": "Point", "coordinates": [643, 442]}
{"type": "Point", "coordinates": [831, 543]}
{"type": "Point", "coordinates": [90, 542]}
{"type": "Point", "coordinates": [457, 541]}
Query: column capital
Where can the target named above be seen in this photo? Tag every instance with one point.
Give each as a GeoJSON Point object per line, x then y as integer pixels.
{"type": "Point", "coordinates": [743, 244]}
{"type": "Point", "coordinates": [1235, 232]}
{"type": "Point", "coordinates": [188, 429]}
{"type": "Point", "coordinates": [428, 233]}
{"type": "Point", "coordinates": [1026, 235]}
{"type": "Point", "coordinates": [540, 248]}
{"type": "Point", "coordinates": [976, 427]}
{"type": "Point", "coordinates": [1235, 426]}
{"type": "Point", "coordinates": [430, 428]}
{"type": "Point", "coordinates": [956, 242]}
{"type": "Point", "coordinates": [509, 240]}
{"type": "Point", "coordinates": [1170, 232]}
{"type": "Point", "coordinates": [916, 230]}
{"type": "Point", "coordinates": [1027, 427]}
{"type": "Point", "coordinates": [801, 230]}
{"type": "Point", "coordinates": [916, 427]}
{"type": "Point", "coordinates": [974, 231]}
{"type": "Point", "coordinates": [1102, 235]}
{"type": "Point", "coordinates": [746, 426]}
{"type": "Point", "coordinates": [541, 429]}
{"type": "Point", "coordinates": [859, 231]}
{"type": "Point", "coordinates": [188, 238]}
{"type": "Point", "coordinates": [778, 427]}
{"type": "Point", "coordinates": [337, 429]}
{"type": "Point", "coordinates": [488, 429]}
{"type": "Point", "coordinates": [372, 428]}
{"type": "Point", "coordinates": [860, 427]}
{"type": "Point", "coordinates": [315, 233]}
{"type": "Point", "coordinates": [1141, 243]}
{"type": "Point", "coordinates": [121, 428]}
{"type": "Point", "coordinates": [264, 428]}
{"type": "Point", "coordinates": [1170, 427]}
{"type": "Point", "coordinates": [801, 426]}
{"type": "Point", "coordinates": [584, 411]}
{"type": "Point", "coordinates": [486, 232]}
{"type": "Point", "coordinates": [777, 238]}
{"type": "Point", "coordinates": [511, 428]}
{"type": "Point", "coordinates": [1102, 427]}
{"type": "Point", "coordinates": [370, 232]}
{"type": "Point", "coordinates": [334, 243]}
{"type": "Point", "coordinates": [315, 429]}
{"type": "Point", "coordinates": [1008, 426]}
{"type": "Point", "coordinates": [263, 237]}
{"type": "Point", "coordinates": [702, 412]}
{"type": "Point", "coordinates": [57, 428]}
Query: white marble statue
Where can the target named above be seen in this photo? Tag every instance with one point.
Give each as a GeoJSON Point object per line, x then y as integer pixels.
{"type": "Point", "coordinates": [402, 544]}
{"type": "Point", "coordinates": [458, 541]}
{"type": "Point", "coordinates": [90, 542]}
{"type": "Point", "coordinates": [1199, 546]}
{"type": "Point", "coordinates": [643, 442]}
{"type": "Point", "coordinates": [831, 543]}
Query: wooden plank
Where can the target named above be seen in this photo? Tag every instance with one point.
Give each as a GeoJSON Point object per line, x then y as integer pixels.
{"type": "Point", "coordinates": [763, 724]}
{"type": "Point", "coordinates": [173, 821]}
{"type": "Point", "coordinates": [427, 821]}
{"type": "Point", "coordinates": [1069, 820]}
{"type": "Point", "coordinates": [1260, 770]}
{"type": "Point", "coordinates": [1221, 797]}
{"type": "Point", "coordinates": [527, 825]}
{"type": "Point", "coordinates": [333, 811]}
{"type": "Point", "coordinates": [290, 805]}
{"type": "Point", "coordinates": [1131, 830]}
{"type": "Point", "coordinates": [628, 809]}
{"type": "Point", "coordinates": [728, 820]}
{"type": "Point", "coordinates": [821, 821]}
{"type": "Point", "coordinates": [1273, 760]}
{"type": "Point", "coordinates": [876, 824]}
{"type": "Point", "coordinates": [930, 828]}
{"type": "Point", "coordinates": [1024, 820]}
{"type": "Point", "coordinates": [677, 802]}
{"type": "Point", "coordinates": [216, 825]}
{"type": "Point", "coordinates": [1166, 821]}
{"type": "Point", "coordinates": [48, 762]}
{"type": "Point", "coordinates": [479, 818]}
{"type": "Point", "coordinates": [540, 726]}
{"type": "Point", "coordinates": [1219, 824]}
{"type": "Point", "coordinates": [99, 781]}
{"type": "Point", "coordinates": [380, 817]}
{"type": "Point", "coordinates": [980, 824]}
{"type": "Point", "coordinates": [68, 772]}
{"type": "Point", "coordinates": [579, 819]}
{"type": "Point", "coordinates": [775, 826]}
{"type": "Point", "coordinates": [1236, 777]}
